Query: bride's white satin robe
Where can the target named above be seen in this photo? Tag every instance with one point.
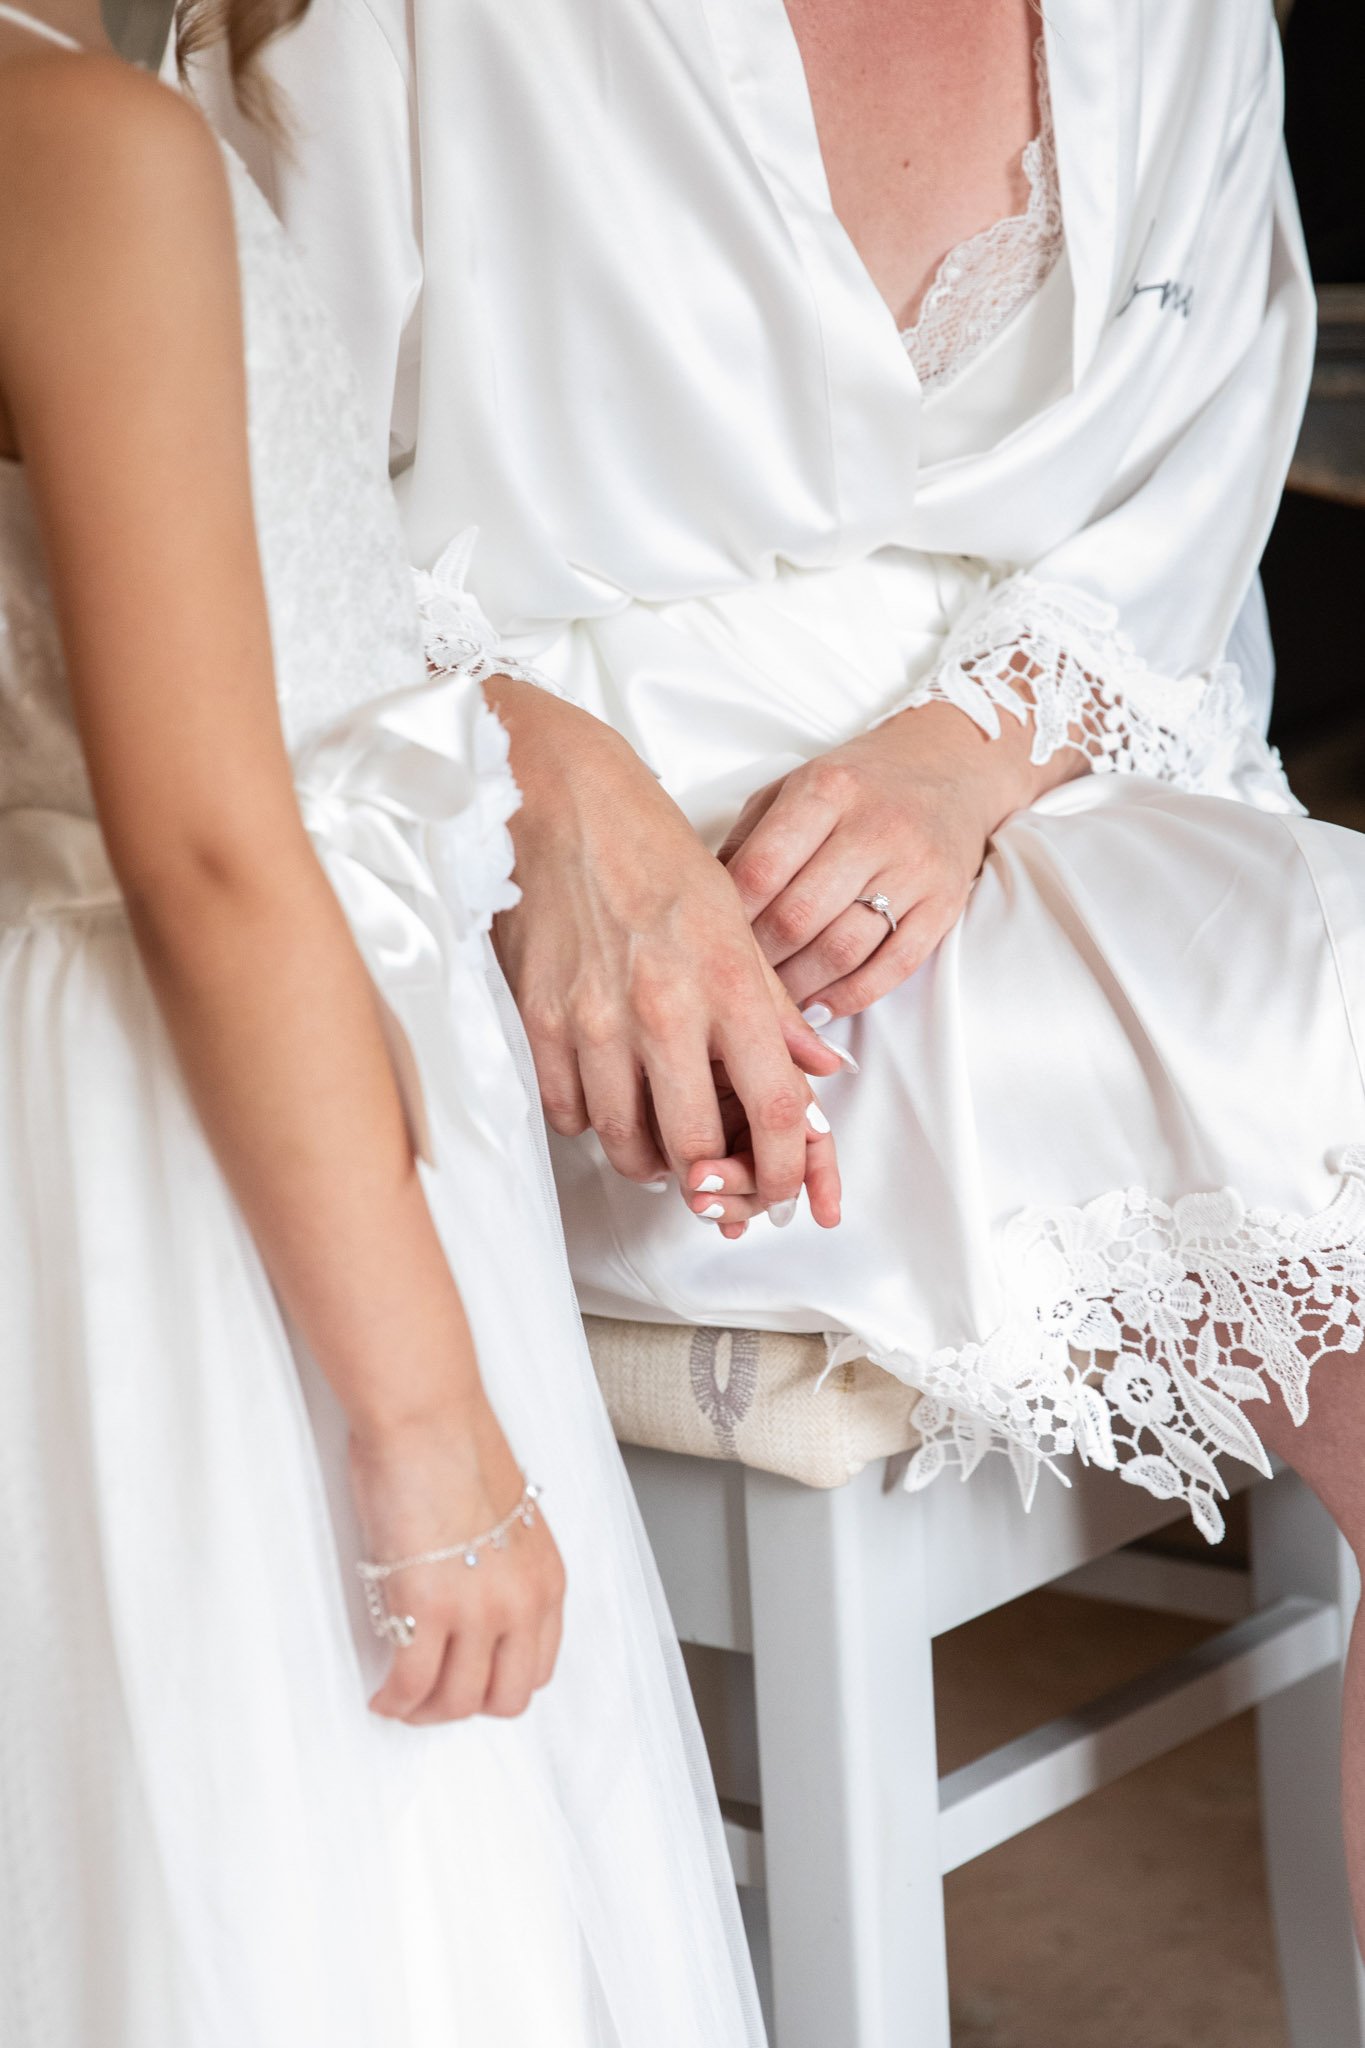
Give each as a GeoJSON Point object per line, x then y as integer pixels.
{"type": "Point", "coordinates": [606, 314]}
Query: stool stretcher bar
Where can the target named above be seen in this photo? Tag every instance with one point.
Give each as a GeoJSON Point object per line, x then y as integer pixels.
{"type": "Point", "coordinates": [1026, 1781]}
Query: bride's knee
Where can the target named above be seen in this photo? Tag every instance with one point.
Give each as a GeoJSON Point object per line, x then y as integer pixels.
{"type": "Point", "coordinates": [1327, 1448]}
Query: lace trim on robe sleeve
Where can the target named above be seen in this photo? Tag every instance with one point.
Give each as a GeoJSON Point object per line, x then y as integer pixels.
{"type": "Point", "coordinates": [458, 636]}
{"type": "Point", "coordinates": [1051, 653]}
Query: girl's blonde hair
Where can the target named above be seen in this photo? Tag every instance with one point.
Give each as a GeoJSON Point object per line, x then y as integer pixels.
{"type": "Point", "coordinates": [245, 26]}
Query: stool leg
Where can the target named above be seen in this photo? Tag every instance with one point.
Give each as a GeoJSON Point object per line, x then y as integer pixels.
{"type": "Point", "coordinates": [848, 1765]}
{"type": "Point", "coordinates": [1296, 1549]}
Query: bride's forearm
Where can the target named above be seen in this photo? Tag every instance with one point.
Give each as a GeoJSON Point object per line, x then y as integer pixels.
{"type": "Point", "coordinates": [998, 772]}
{"type": "Point", "coordinates": [562, 756]}
{"type": "Point", "coordinates": [274, 1021]}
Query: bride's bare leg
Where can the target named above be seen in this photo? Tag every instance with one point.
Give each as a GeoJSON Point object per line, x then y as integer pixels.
{"type": "Point", "coordinates": [1328, 1452]}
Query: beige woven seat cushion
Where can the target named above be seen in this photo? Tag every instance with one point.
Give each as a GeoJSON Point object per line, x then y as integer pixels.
{"type": "Point", "coordinates": [749, 1396]}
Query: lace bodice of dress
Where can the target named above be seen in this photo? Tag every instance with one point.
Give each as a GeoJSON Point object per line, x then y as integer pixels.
{"type": "Point", "coordinates": [343, 621]}
{"type": "Point", "coordinates": [981, 284]}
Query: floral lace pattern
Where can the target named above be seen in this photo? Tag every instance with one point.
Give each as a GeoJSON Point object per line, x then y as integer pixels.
{"type": "Point", "coordinates": [333, 556]}
{"type": "Point", "coordinates": [1137, 1330]}
{"type": "Point", "coordinates": [472, 855]}
{"type": "Point", "coordinates": [458, 635]}
{"type": "Point", "coordinates": [981, 284]}
{"type": "Point", "coordinates": [1053, 654]}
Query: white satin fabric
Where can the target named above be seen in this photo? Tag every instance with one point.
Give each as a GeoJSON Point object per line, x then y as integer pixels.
{"type": "Point", "coordinates": [604, 310]}
{"type": "Point", "coordinates": [1101, 1162]}
{"type": "Point", "coordinates": [206, 1839]}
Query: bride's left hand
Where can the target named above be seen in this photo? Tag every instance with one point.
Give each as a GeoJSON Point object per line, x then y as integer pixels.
{"type": "Point", "coordinates": [907, 811]}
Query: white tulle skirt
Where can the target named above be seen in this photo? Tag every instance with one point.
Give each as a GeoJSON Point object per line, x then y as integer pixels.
{"type": "Point", "coordinates": [1101, 1184]}
{"type": "Point", "coordinates": [206, 1839]}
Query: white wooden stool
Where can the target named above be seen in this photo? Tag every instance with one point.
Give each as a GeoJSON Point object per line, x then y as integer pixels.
{"type": "Point", "coordinates": [814, 1610]}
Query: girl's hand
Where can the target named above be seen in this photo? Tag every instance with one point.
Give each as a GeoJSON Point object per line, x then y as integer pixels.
{"type": "Point", "coordinates": [724, 1190]}
{"type": "Point", "coordinates": [905, 810]}
{"type": "Point", "coordinates": [486, 1638]}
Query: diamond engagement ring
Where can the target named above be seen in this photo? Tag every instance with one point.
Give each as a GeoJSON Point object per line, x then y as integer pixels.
{"type": "Point", "coordinates": [881, 904]}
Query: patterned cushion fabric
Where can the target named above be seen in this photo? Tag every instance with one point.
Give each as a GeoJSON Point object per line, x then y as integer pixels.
{"type": "Point", "coordinates": [750, 1396]}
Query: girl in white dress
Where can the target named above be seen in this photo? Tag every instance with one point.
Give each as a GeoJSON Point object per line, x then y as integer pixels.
{"type": "Point", "coordinates": [247, 1341]}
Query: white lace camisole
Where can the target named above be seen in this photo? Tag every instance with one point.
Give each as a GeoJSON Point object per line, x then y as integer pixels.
{"type": "Point", "coordinates": [981, 284]}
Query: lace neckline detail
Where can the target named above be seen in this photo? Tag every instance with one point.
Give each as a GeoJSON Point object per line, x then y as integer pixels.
{"type": "Point", "coordinates": [981, 284]}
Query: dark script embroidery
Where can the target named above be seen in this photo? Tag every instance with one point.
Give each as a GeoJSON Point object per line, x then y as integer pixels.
{"type": "Point", "coordinates": [1172, 295]}
{"type": "Point", "coordinates": [1175, 296]}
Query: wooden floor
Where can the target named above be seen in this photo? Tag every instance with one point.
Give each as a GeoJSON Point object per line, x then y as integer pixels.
{"type": "Point", "coordinates": [1138, 1919]}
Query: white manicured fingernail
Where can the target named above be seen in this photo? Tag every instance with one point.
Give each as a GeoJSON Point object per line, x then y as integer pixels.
{"type": "Point", "coordinates": [712, 1185]}
{"type": "Point", "coordinates": [816, 1118]}
{"type": "Point", "coordinates": [781, 1213]}
{"type": "Point", "coordinates": [818, 1015]}
{"type": "Point", "coordinates": [839, 1053]}
{"type": "Point", "coordinates": [712, 1211]}
{"type": "Point", "coordinates": [655, 1187]}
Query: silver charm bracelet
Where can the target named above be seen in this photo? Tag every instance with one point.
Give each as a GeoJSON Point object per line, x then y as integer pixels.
{"type": "Point", "coordinates": [399, 1629]}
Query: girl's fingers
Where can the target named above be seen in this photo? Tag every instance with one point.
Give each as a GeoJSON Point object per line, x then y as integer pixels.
{"type": "Point", "coordinates": [824, 1188]}
{"type": "Point", "coordinates": [733, 1175]}
{"type": "Point", "coordinates": [547, 1644]}
{"type": "Point", "coordinates": [415, 1670]}
{"type": "Point", "coordinates": [462, 1686]}
{"type": "Point", "coordinates": [724, 1210]}
{"type": "Point", "coordinates": [512, 1679]}
{"type": "Point", "coordinates": [730, 1185]}
{"type": "Point", "coordinates": [724, 1192]}
{"type": "Point", "coordinates": [917, 935]}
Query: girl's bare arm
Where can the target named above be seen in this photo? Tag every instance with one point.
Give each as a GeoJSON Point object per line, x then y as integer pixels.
{"type": "Point", "coordinates": [123, 380]}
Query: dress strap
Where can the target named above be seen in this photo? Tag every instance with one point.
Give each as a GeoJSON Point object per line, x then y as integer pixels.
{"type": "Point", "coordinates": [19, 19]}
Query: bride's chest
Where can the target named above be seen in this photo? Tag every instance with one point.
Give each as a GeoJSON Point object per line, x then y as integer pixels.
{"type": "Point", "coordinates": [923, 109]}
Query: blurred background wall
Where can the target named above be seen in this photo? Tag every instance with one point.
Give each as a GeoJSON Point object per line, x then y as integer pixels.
{"type": "Point", "coordinates": [1313, 565]}
{"type": "Point", "coordinates": [139, 27]}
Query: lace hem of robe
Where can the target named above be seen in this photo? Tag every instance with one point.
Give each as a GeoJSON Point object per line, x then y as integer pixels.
{"type": "Point", "coordinates": [1051, 654]}
{"type": "Point", "coordinates": [1137, 1331]}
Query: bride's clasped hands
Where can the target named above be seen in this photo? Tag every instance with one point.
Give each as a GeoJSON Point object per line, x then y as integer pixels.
{"type": "Point", "coordinates": [903, 814]}
{"type": "Point", "coordinates": [662, 989]}
{"type": "Point", "coordinates": [652, 1015]}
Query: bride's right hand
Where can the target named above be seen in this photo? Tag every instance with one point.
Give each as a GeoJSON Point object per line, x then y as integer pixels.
{"type": "Point", "coordinates": [637, 975]}
{"type": "Point", "coordinates": [486, 1638]}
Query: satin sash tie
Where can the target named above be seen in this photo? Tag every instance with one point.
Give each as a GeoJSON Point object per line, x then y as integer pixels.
{"type": "Point", "coordinates": [377, 792]}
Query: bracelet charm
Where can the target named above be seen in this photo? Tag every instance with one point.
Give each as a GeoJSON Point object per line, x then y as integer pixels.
{"type": "Point", "coordinates": [400, 1629]}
